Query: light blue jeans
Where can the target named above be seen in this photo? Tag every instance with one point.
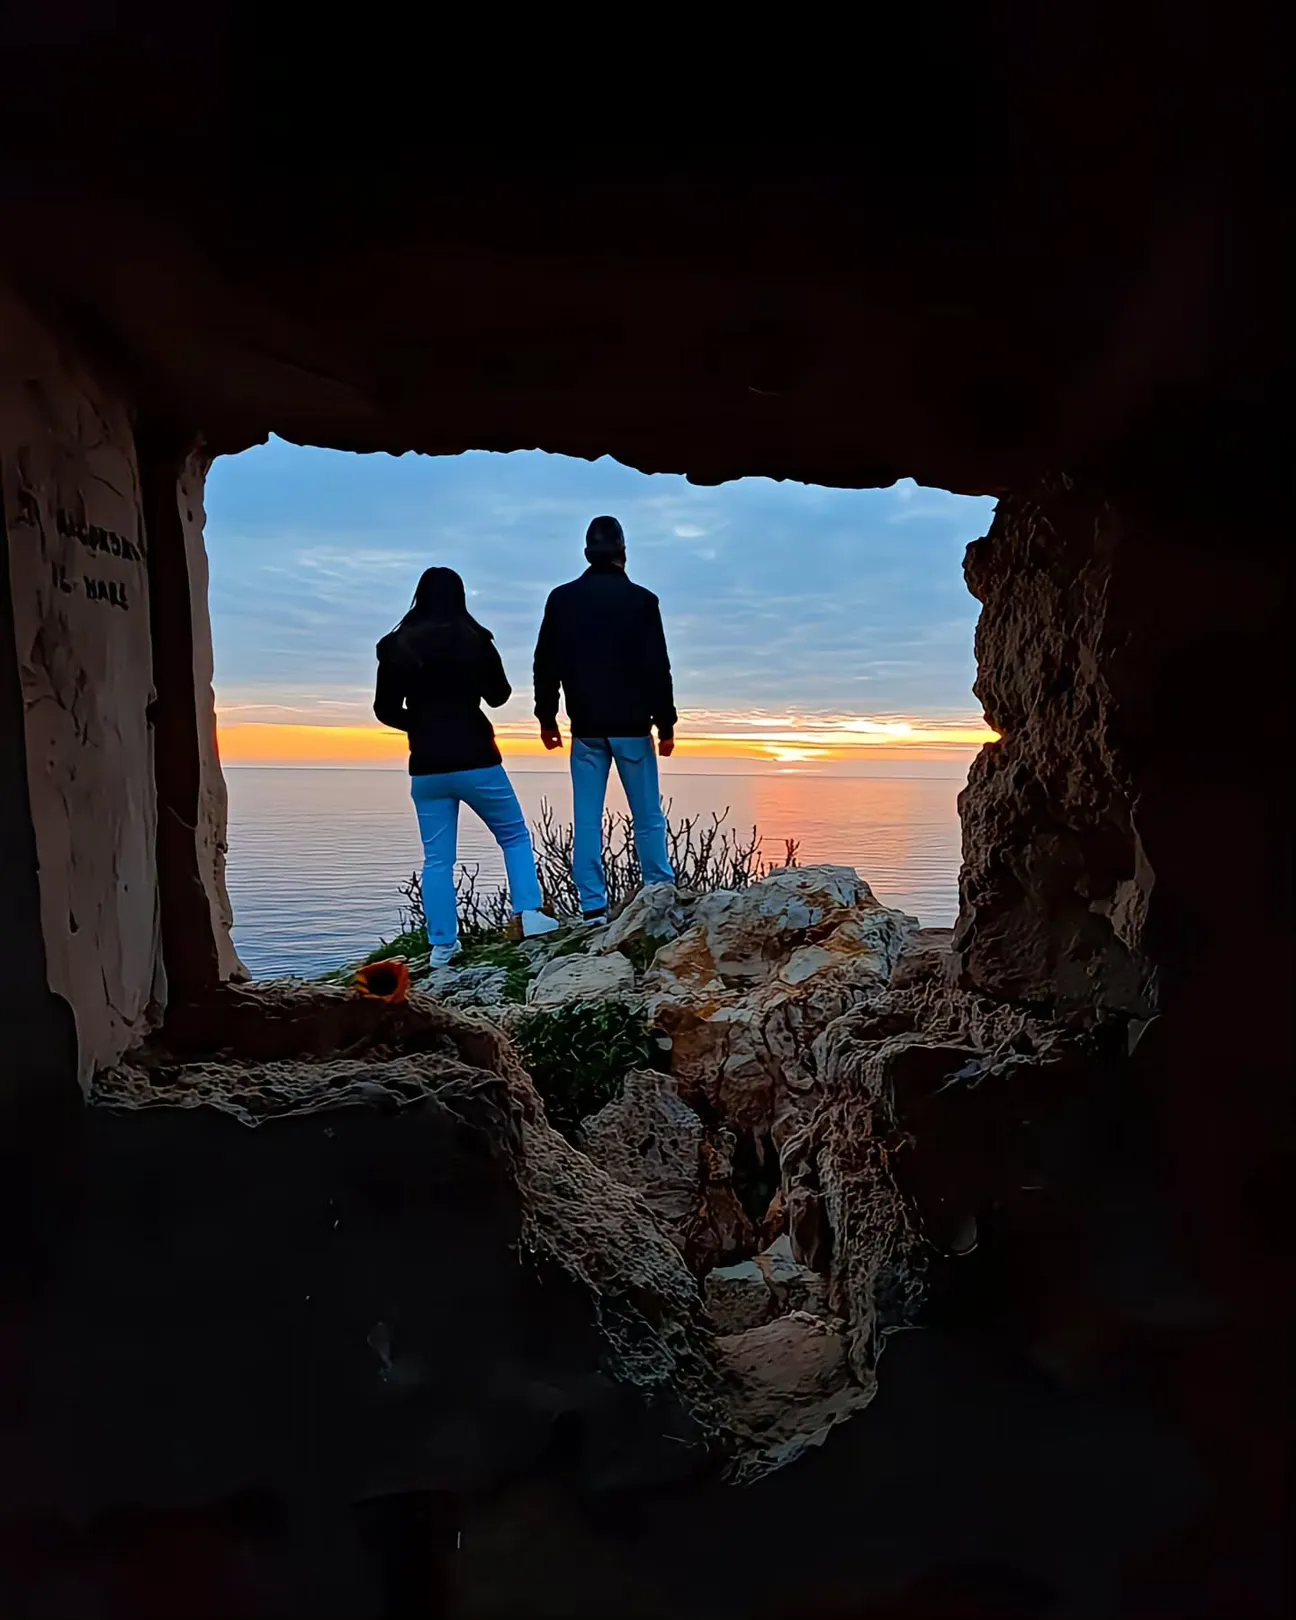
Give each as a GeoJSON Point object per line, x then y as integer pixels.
{"type": "Point", "coordinates": [636, 763]}
{"type": "Point", "coordinates": [436, 801]}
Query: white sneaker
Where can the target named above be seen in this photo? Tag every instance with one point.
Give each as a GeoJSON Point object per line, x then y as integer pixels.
{"type": "Point", "coordinates": [535, 923]}
{"type": "Point", "coordinates": [443, 955]}
{"type": "Point", "coordinates": [595, 919]}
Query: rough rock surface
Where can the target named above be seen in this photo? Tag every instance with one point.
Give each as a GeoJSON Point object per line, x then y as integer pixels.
{"type": "Point", "coordinates": [506, 1016]}
{"type": "Point", "coordinates": [927, 958]}
{"type": "Point", "coordinates": [923, 1097]}
{"type": "Point", "coordinates": [653, 917]}
{"type": "Point", "coordinates": [437, 1109]}
{"type": "Point", "coordinates": [792, 1286]}
{"type": "Point", "coordinates": [650, 1139]}
{"type": "Point", "coordinates": [759, 973]}
{"type": "Point", "coordinates": [1055, 883]}
{"type": "Point", "coordinates": [773, 1283]}
{"type": "Point", "coordinates": [846, 1213]}
{"type": "Point", "coordinates": [738, 1297]}
{"type": "Point", "coordinates": [211, 825]}
{"type": "Point", "coordinates": [795, 1384]}
{"type": "Point", "coordinates": [581, 978]}
{"type": "Point", "coordinates": [720, 1230]}
{"type": "Point", "coordinates": [467, 986]}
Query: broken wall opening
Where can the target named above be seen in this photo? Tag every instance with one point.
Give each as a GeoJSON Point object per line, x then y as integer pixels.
{"type": "Point", "coordinates": [1057, 874]}
{"type": "Point", "coordinates": [821, 641]}
{"type": "Point", "coordinates": [1190, 587]}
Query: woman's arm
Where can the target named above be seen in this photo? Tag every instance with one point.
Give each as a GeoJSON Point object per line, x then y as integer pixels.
{"type": "Point", "coordinates": [495, 684]}
{"type": "Point", "coordinates": [389, 698]}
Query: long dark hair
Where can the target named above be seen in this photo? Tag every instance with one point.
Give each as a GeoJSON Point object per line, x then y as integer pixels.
{"type": "Point", "coordinates": [438, 624]}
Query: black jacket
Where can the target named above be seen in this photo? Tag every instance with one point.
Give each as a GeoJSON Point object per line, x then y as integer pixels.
{"type": "Point", "coordinates": [431, 683]}
{"type": "Point", "coordinates": [602, 642]}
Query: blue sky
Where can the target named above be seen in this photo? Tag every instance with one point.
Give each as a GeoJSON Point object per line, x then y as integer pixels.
{"type": "Point", "coordinates": [781, 601]}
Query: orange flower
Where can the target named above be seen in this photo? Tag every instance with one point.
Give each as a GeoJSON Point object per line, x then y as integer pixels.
{"type": "Point", "coordinates": [384, 981]}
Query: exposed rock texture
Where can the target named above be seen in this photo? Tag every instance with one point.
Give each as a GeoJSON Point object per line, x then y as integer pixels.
{"type": "Point", "coordinates": [796, 1385]}
{"type": "Point", "coordinates": [927, 958]}
{"type": "Point", "coordinates": [746, 934]}
{"type": "Point", "coordinates": [846, 1214]}
{"type": "Point", "coordinates": [211, 822]}
{"type": "Point", "coordinates": [467, 986]}
{"type": "Point", "coordinates": [652, 917]}
{"type": "Point", "coordinates": [930, 1108]}
{"type": "Point", "coordinates": [757, 976]}
{"type": "Point", "coordinates": [425, 1147]}
{"type": "Point", "coordinates": [792, 1286]}
{"type": "Point", "coordinates": [581, 978]}
{"type": "Point", "coordinates": [774, 1283]}
{"type": "Point", "coordinates": [1055, 882]}
{"type": "Point", "coordinates": [721, 1230]}
{"type": "Point", "coordinates": [738, 1297]}
{"type": "Point", "coordinates": [650, 1139]}
{"type": "Point", "coordinates": [79, 574]}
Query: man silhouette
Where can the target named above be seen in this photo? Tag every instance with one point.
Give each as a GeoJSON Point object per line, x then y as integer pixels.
{"type": "Point", "coordinates": [602, 642]}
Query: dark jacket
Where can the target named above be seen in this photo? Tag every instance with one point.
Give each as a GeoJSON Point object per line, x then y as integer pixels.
{"type": "Point", "coordinates": [431, 682]}
{"type": "Point", "coordinates": [602, 641]}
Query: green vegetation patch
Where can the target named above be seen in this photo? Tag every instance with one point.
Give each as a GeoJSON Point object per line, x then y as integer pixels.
{"type": "Point", "coordinates": [579, 1055]}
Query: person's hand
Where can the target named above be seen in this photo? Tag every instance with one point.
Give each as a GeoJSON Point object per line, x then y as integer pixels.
{"type": "Point", "coordinates": [666, 745]}
{"type": "Point", "coordinates": [551, 737]}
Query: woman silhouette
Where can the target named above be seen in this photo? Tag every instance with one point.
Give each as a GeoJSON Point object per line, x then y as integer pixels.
{"type": "Point", "coordinates": [434, 670]}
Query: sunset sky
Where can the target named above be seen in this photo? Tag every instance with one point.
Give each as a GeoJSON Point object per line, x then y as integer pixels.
{"type": "Point", "coordinates": [810, 629]}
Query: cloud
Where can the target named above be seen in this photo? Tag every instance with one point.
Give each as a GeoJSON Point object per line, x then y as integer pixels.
{"type": "Point", "coordinates": [799, 599]}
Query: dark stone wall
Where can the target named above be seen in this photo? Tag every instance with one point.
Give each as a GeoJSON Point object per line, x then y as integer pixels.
{"type": "Point", "coordinates": [197, 951]}
{"type": "Point", "coordinates": [1130, 827]}
{"type": "Point", "coordinates": [1055, 882]}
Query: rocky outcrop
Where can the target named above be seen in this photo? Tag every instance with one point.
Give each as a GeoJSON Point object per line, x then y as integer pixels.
{"type": "Point", "coordinates": [928, 1104]}
{"type": "Point", "coordinates": [581, 978]}
{"type": "Point", "coordinates": [737, 1297]}
{"type": "Point", "coordinates": [440, 1096]}
{"type": "Point", "coordinates": [651, 1140]}
{"type": "Point", "coordinates": [376, 1210]}
{"type": "Point", "coordinates": [846, 1213]}
{"type": "Point", "coordinates": [927, 958]}
{"type": "Point", "coordinates": [795, 1385]}
{"type": "Point", "coordinates": [484, 986]}
{"type": "Point", "coordinates": [651, 918]}
{"type": "Point", "coordinates": [758, 974]}
{"type": "Point", "coordinates": [792, 1286]}
{"type": "Point", "coordinates": [772, 1284]}
{"type": "Point", "coordinates": [721, 1229]}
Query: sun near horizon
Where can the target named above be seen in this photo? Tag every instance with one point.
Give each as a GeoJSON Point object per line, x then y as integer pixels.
{"type": "Point", "coordinates": [798, 742]}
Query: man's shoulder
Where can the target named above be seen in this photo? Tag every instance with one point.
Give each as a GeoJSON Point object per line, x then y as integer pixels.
{"type": "Point", "coordinates": [597, 586]}
{"type": "Point", "coordinates": [636, 593]}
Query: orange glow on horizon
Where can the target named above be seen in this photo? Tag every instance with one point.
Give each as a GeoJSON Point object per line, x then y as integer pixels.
{"type": "Point", "coordinates": [266, 743]}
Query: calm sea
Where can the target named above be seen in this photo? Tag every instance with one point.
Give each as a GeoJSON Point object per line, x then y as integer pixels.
{"type": "Point", "coordinates": [316, 856]}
